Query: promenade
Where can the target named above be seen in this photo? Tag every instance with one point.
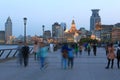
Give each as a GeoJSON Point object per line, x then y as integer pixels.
{"type": "Point", "coordinates": [85, 68]}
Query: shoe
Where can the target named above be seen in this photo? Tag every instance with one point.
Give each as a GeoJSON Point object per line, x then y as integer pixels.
{"type": "Point", "coordinates": [106, 67]}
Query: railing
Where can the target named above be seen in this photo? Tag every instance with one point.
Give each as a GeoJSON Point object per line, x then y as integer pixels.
{"type": "Point", "coordinates": [10, 53]}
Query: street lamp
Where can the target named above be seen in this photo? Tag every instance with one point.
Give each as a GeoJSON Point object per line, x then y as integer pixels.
{"type": "Point", "coordinates": [25, 21]}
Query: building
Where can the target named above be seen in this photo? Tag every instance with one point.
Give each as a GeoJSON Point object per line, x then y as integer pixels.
{"type": "Point", "coordinates": [106, 32]}
{"type": "Point", "coordinates": [55, 28]}
{"type": "Point", "coordinates": [57, 32]}
{"type": "Point", "coordinates": [116, 34]}
{"type": "Point", "coordinates": [47, 34]}
{"type": "Point", "coordinates": [8, 29]}
{"type": "Point", "coordinates": [117, 25]}
{"type": "Point", "coordinates": [2, 37]}
{"type": "Point", "coordinates": [63, 25]}
{"type": "Point", "coordinates": [84, 32]}
{"type": "Point", "coordinates": [95, 18]}
{"type": "Point", "coordinates": [72, 35]}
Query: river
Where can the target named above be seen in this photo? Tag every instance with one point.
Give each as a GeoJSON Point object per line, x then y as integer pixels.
{"type": "Point", "coordinates": [8, 46]}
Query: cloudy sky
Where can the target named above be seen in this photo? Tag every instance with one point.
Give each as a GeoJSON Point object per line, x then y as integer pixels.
{"type": "Point", "coordinates": [46, 12]}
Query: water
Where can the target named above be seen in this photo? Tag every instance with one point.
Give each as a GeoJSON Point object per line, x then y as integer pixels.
{"type": "Point", "coordinates": [8, 46]}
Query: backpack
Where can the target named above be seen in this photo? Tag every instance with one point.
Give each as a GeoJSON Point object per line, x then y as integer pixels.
{"type": "Point", "coordinates": [65, 54]}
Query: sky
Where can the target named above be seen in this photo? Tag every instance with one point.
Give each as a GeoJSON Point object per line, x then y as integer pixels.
{"type": "Point", "coordinates": [47, 12]}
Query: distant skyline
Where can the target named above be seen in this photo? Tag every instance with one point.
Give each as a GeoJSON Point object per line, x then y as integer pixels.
{"type": "Point", "coordinates": [46, 12]}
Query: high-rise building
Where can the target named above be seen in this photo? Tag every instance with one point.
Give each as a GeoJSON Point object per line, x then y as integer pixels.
{"type": "Point", "coordinates": [57, 32]}
{"type": "Point", "coordinates": [56, 29]}
{"type": "Point", "coordinates": [63, 25]}
{"type": "Point", "coordinates": [47, 34]}
{"type": "Point", "coordinates": [8, 29]}
{"type": "Point", "coordinates": [95, 18]}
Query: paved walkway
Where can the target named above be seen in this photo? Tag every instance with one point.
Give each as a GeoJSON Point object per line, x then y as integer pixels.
{"type": "Point", "coordinates": [85, 68]}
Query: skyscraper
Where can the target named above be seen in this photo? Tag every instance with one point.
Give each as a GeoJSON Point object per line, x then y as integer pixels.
{"type": "Point", "coordinates": [8, 29]}
{"type": "Point", "coordinates": [63, 25]}
{"type": "Point", "coordinates": [56, 29]}
{"type": "Point", "coordinates": [95, 18]}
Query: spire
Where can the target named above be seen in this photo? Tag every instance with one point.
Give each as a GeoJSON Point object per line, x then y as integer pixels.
{"type": "Point", "coordinates": [73, 22]}
{"type": "Point", "coordinates": [73, 27]}
{"type": "Point", "coordinates": [9, 19]}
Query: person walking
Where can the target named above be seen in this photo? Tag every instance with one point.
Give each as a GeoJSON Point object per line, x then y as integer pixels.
{"type": "Point", "coordinates": [42, 54]}
{"type": "Point", "coordinates": [88, 49]}
{"type": "Point", "coordinates": [76, 49]}
{"type": "Point", "coordinates": [20, 56]}
{"type": "Point", "coordinates": [110, 56]}
{"type": "Point", "coordinates": [94, 49]}
{"type": "Point", "coordinates": [64, 51]}
{"type": "Point", "coordinates": [106, 48]}
{"type": "Point", "coordinates": [70, 57]}
{"type": "Point", "coordinates": [35, 49]}
{"type": "Point", "coordinates": [25, 52]}
{"type": "Point", "coordinates": [51, 48]}
{"type": "Point", "coordinates": [80, 49]}
{"type": "Point", "coordinates": [118, 56]}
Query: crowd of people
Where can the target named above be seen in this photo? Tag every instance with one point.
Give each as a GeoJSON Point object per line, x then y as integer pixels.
{"type": "Point", "coordinates": [68, 53]}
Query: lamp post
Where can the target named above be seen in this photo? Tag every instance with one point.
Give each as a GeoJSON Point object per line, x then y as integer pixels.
{"type": "Point", "coordinates": [25, 21]}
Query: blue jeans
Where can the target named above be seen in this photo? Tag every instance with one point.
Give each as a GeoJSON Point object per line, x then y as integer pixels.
{"type": "Point", "coordinates": [64, 63]}
{"type": "Point", "coordinates": [42, 60]}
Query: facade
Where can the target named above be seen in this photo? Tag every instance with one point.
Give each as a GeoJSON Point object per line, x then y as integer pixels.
{"type": "Point", "coordinates": [106, 32]}
{"type": "Point", "coordinates": [55, 28]}
{"type": "Point", "coordinates": [84, 32]}
{"type": "Point", "coordinates": [57, 32]}
{"type": "Point", "coordinates": [116, 34]}
{"type": "Point", "coordinates": [117, 25]}
{"type": "Point", "coordinates": [63, 25]}
{"type": "Point", "coordinates": [95, 18]}
{"type": "Point", "coordinates": [47, 34]}
{"type": "Point", "coordinates": [2, 37]}
{"type": "Point", "coordinates": [72, 35]}
{"type": "Point", "coordinates": [8, 29]}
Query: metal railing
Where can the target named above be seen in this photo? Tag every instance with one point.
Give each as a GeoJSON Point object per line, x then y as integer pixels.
{"type": "Point", "coordinates": [10, 53]}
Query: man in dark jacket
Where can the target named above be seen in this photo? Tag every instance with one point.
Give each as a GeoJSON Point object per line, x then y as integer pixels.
{"type": "Point", "coordinates": [25, 51]}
